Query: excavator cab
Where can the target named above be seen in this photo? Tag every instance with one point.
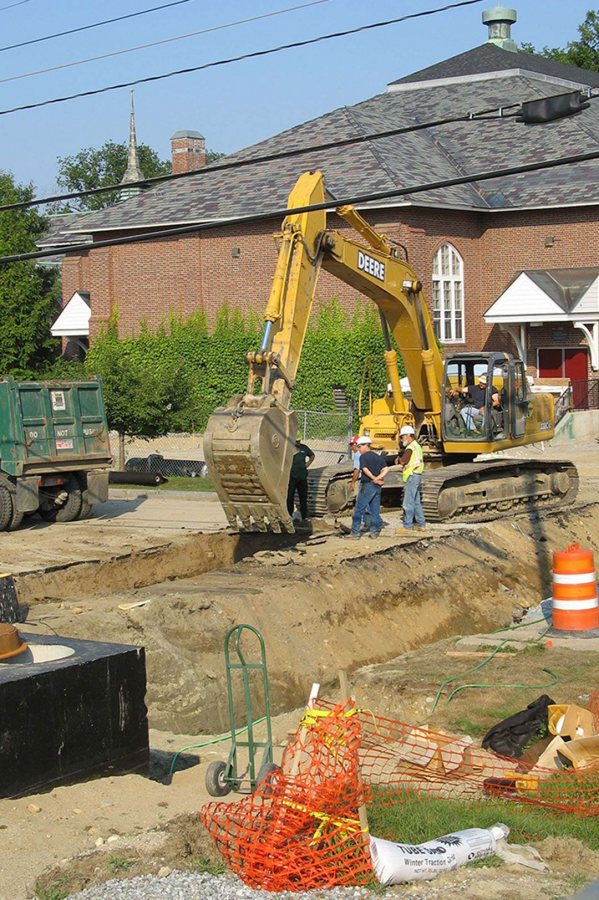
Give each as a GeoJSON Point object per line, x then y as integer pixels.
{"type": "Point", "coordinates": [485, 400]}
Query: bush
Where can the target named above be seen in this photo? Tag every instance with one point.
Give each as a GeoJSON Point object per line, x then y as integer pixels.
{"type": "Point", "coordinates": [172, 378]}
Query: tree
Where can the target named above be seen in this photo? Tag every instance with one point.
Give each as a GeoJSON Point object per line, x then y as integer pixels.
{"type": "Point", "coordinates": [92, 168]}
{"type": "Point", "coordinates": [28, 293]}
{"type": "Point", "coordinates": [583, 53]}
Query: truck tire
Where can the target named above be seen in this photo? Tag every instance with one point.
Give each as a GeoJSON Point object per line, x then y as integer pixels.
{"type": "Point", "coordinates": [16, 520]}
{"type": "Point", "coordinates": [70, 508]}
{"type": "Point", "coordinates": [6, 508]}
{"type": "Point", "coordinates": [85, 511]}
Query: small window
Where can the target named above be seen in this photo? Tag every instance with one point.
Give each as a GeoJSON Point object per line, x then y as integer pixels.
{"type": "Point", "coordinates": [448, 295]}
{"type": "Point", "coordinates": [520, 383]}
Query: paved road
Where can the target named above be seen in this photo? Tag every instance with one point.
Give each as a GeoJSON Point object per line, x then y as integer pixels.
{"type": "Point", "coordinates": [162, 511]}
{"type": "Point", "coordinates": [117, 527]}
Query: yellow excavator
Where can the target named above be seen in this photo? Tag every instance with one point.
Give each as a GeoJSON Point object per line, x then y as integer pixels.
{"type": "Point", "coordinates": [249, 444]}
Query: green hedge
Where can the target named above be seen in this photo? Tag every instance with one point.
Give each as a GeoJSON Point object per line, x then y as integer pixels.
{"type": "Point", "coordinates": [172, 378]}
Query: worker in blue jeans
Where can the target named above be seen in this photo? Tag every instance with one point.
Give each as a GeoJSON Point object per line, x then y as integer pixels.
{"type": "Point", "coordinates": [372, 474]}
{"type": "Point", "coordinates": [412, 460]}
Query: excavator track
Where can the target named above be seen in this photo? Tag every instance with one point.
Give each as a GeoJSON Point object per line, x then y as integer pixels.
{"type": "Point", "coordinates": [464, 492]}
{"type": "Point", "coordinates": [329, 489]}
{"type": "Point", "coordinates": [482, 491]}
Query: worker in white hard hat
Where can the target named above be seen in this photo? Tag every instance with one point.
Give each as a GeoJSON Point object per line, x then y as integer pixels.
{"type": "Point", "coordinates": [412, 462]}
{"type": "Point", "coordinates": [373, 469]}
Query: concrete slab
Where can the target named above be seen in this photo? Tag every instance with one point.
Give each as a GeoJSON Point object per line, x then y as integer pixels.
{"type": "Point", "coordinates": [535, 627]}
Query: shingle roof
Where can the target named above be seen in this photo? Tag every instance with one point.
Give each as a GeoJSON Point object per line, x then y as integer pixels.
{"type": "Point", "coordinates": [397, 162]}
{"type": "Point", "coordinates": [490, 58]}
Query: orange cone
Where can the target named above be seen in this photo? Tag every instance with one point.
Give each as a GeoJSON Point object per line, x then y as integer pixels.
{"type": "Point", "coordinates": [575, 605]}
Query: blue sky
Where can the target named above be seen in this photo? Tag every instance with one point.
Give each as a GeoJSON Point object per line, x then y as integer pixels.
{"type": "Point", "coordinates": [232, 106]}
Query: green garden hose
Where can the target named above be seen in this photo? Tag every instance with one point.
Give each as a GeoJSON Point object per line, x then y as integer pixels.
{"type": "Point", "coordinates": [549, 684]}
{"type": "Point", "coordinates": [216, 740]}
{"type": "Point", "coordinates": [488, 659]}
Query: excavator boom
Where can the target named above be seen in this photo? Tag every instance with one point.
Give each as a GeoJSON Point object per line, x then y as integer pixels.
{"type": "Point", "coordinates": [249, 444]}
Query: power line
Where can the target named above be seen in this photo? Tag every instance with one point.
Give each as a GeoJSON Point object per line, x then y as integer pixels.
{"type": "Point", "coordinates": [12, 5]}
{"type": "Point", "coordinates": [480, 116]}
{"type": "Point", "coordinates": [224, 62]}
{"type": "Point", "coordinates": [327, 205]}
{"type": "Point", "coordinates": [179, 37]}
{"type": "Point", "coordinates": [49, 37]}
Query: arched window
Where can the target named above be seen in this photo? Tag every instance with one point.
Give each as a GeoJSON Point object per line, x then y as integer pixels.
{"type": "Point", "coordinates": [448, 295]}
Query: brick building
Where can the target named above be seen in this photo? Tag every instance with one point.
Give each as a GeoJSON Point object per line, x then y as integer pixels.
{"type": "Point", "coordinates": [506, 263]}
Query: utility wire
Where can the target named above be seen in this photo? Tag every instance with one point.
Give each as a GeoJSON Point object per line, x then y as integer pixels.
{"type": "Point", "coordinates": [327, 205]}
{"type": "Point", "coordinates": [225, 62]}
{"type": "Point", "coordinates": [49, 37]}
{"type": "Point", "coordinates": [482, 115]}
{"type": "Point", "coordinates": [179, 37]}
{"type": "Point", "coordinates": [12, 5]}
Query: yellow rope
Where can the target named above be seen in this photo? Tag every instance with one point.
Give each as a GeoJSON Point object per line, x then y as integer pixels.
{"type": "Point", "coordinates": [311, 717]}
{"type": "Point", "coordinates": [343, 822]}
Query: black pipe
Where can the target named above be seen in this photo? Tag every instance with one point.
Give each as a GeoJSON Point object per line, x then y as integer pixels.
{"type": "Point", "coordinates": [136, 478]}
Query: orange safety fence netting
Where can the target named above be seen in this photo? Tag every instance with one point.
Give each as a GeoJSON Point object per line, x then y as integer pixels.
{"type": "Point", "coordinates": [398, 760]}
{"type": "Point", "coordinates": [300, 829]}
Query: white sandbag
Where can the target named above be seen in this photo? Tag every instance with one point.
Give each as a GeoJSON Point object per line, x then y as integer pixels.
{"type": "Point", "coordinates": [397, 863]}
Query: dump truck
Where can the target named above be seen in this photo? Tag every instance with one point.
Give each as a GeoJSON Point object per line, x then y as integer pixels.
{"type": "Point", "coordinates": [250, 442]}
{"type": "Point", "coordinates": [54, 450]}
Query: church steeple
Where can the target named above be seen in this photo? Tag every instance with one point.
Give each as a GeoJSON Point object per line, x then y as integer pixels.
{"type": "Point", "coordinates": [133, 171]}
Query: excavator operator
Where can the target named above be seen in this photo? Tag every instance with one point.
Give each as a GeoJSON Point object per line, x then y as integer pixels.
{"type": "Point", "coordinates": [476, 394]}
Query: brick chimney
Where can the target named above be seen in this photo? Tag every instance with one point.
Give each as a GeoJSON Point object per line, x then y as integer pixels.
{"type": "Point", "coordinates": [188, 151]}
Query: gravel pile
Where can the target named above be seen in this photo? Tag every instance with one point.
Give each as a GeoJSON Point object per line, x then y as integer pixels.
{"type": "Point", "coordinates": [191, 886]}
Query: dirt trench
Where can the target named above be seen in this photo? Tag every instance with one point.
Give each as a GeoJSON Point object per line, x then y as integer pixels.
{"type": "Point", "coordinates": [321, 605]}
{"type": "Point", "coordinates": [181, 558]}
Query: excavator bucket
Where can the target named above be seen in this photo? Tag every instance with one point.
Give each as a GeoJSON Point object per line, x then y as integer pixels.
{"type": "Point", "coordinates": [249, 446]}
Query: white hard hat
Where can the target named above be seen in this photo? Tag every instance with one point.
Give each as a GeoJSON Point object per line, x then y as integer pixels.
{"type": "Point", "coordinates": [363, 440]}
{"type": "Point", "coordinates": [406, 429]}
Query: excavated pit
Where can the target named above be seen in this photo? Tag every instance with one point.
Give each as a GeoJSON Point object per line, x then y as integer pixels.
{"type": "Point", "coordinates": [184, 557]}
{"type": "Point", "coordinates": [320, 605]}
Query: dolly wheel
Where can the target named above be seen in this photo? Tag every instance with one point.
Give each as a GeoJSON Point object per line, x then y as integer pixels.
{"type": "Point", "coordinates": [264, 778]}
{"type": "Point", "coordinates": [216, 785]}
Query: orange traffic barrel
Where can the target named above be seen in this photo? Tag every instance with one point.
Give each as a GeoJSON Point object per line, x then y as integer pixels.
{"type": "Point", "coordinates": [575, 605]}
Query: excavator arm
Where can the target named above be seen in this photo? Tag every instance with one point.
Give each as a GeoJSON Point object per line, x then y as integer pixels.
{"type": "Point", "coordinates": [249, 444]}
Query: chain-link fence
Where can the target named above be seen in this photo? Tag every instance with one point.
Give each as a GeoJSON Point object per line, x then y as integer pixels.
{"type": "Point", "coordinates": [326, 433]}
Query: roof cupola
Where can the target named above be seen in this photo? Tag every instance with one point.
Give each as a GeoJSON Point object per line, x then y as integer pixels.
{"type": "Point", "coordinates": [499, 21]}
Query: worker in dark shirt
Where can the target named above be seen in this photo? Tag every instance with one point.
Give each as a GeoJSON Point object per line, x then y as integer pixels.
{"type": "Point", "coordinates": [473, 413]}
{"type": "Point", "coordinates": [372, 474]}
{"type": "Point", "coordinates": [298, 479]}
{"type": "Point", "coordinates": [497, 417]}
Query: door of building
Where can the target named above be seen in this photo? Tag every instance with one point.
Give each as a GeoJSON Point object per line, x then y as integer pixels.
{"type": "Point", "coordinates": [569, 363]}
{"type": "Point", "coordinates": [577, 370]}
